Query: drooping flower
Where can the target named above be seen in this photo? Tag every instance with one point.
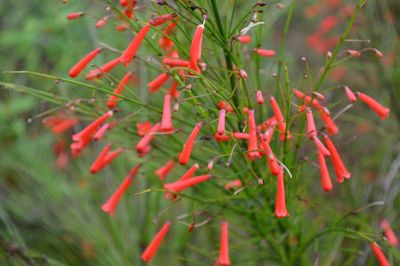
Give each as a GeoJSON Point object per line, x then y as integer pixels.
{"type": "Point", "coordinates": [380, 256]}
{"type": "Point", "coordinates": [221, 122]}
{"type": "Point", "coordinates": [158, 82]}
{"type": "Point", "coordinates": [311, 130]}
{"type": "Point", "coordinates": [104, 158]}
{"type": "Point", "coordinates": [279, 118]}
{"type": "Point", "coordinates": [340, 169]}
{"type": "Point", "coordinates": [166, 121]}
{"type": "Point", "coordinates": [151, 249]}
{"type": "Point", "coordinates": [88, 131]}
{"type": "Point", "coordinates": [265, 52]}
{"type": "Point", "coordinates": [233, 184]}
{"type": "Point", "coordinates": [131, 50]}
{"type": "Point", "coordinates": [389, 234]}
{"type": "Point", "coordinates": [280, 202]}
{"type": "Point", "coordinates": [321, 147]}
{"type": "Point", "coordinates": [259, 97]}
{"type": "Point", "coordinates": [101, 22]}
{"type": "Point", "coordinates": [244, 39]}
{"type": "Point", "coordinates": [99, 72]}
{"type": "Point", "coordinates": [112, 203]}
{"type": "Point", "coordinates": [161, 19]}
{"type": "Point", "coordinates": [325, 177]}
{"type": "Point", "coordinates": [164, 170]}
{"type": "Point", "coordinates": [226, 106]}
{"type": "Point", "coordinates": [184, 157]}
{"type": "Point", "coordinates": [144, 143]}
{"type": "Point", "coordinates": [188, 174]}
{"type": "Point", "coordinates": [240, 135]}
{"type": "Point", "coordinates": [75, 15]}
{"type": "Point", "coordinates": [353, 53]}
{"type": "Point", "coordinates": [113, 99]}
{"type": "Point", "coordinates": [223, 258]}
{"type": "Point", "coordinates": [100, 133]}
{"type": "Point", "coordinates": [179, 186]}
{"type": "Point", "coordinates": [328, 121]}
{"type": "Point", "coordinates": [350, 95]}
{"type": "Point", "coordinates": [252, 147]}
{"type": "Point", "coordinates": [379, 109]}
{"type": "Point", "coordinates": [195, 48]}
{"type": "Point", "coordinates": [78, 67]}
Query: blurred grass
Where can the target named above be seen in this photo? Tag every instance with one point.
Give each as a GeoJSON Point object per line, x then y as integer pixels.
{"type": "Point", "coordinates": [48, 216]}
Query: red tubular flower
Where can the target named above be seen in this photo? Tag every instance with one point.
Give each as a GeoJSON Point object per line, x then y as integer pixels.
{"type": "Point", "coordinates": [354, 53]}
{"type": "Point", "coordinates": [164, 170]}
{"type": "Point", "coordinates": [244, 39]}
{"type": "Point", "coordinates": [166, 121]}
{"type": "Point", "coordinates": [165, 42]}
{"type": "Point", "coordinates": [131, 50]}
{"type": "Point", "coordinates": [380, 256]}
{"type": "Point", "coordinates": [280, 202]}
{"type": "Point", "coordinates": [350, 95]}
{"type": "Point", "coordinates": [319, 96]}
{"type": "Point", "coordinates": [100, 133]}
{"type": "Point", "coordinates": [329, 123]}
{"type": "Point", "coordinates": [78, 67]}
{"type": "Point", "coordinates": [75, 15]}
{"type": "Point", "coordinates": [279, 118]}
{"type": "Point", "coordinates": [340, 169]}
{"type": "Point", "coordinates": [299, 94]}
{"type": "Point", "coordinates": [101, 22]}
{"type": "Point", "coordinates": [210, 165]}
{"type": "Point", "coordinates": [260, 97]}
{"type": "Point", "coordinates": [122, 27]}
{"type": "Point", "coordinates": [320, 146]}
{"type": "Point", "coordinates": [107, 67]}
{"type": "Point", "coordinates": [226, 106]}
{"type": "Point", "coordinates": [252, 148]}
{"type": "Point", "coordinates": [311, 130]}
{"type": "Point", "coordinates": [195, 48]}
{"type": "Point", "coordinates": [112, 100]}
{"type": "Point", "coordinates": [265, 53]}
{"type": "Point", "coordinates": [240, 135]}
{"type": "Point", "coordinates": [157, 83]}
{"type": "Point", "coordinates": [174, 62]}
{"type": "Point", "coordinates": [151, 249]}
{"type": "Point", "coordinates": [143, 144]}
{"type": "Point", "coordinates": [173, 90]}
{"type": "Point", "coordinates": [161, 19]}
{"type": "Point", "coordinates": [188, 174]}
{"type": "Point", "coordinates": [143, 128]}
{"type": "Point", "coordinates": [389, 234]}
{"type": "Point", "coordinates": [325, 177]}
{"type": "Point", "coordinates": [112, 203]}
{"type": "Point", "coordinates": [223, 259]}
{"type": "Point", "coordinates": [179, 186]}
{"type": "Point", "coordinates": [221, 122]}
{"type": "Point", "coordinates": [64, 125]}
{"type": "Point", "coordinates": [92, 127]}
{"type": "Point", "coordinates": [104, 158]}
{"type": "Point", "coordinates": [184, 157]}
{"type": "Point", "coordinates": [379, 109]}
{"type": "Point", "coordinates": [221, 138]}
{"type": "Point", "coordinates": [233, 184]}
{"type": "Point", "coordinates": [328, 24]}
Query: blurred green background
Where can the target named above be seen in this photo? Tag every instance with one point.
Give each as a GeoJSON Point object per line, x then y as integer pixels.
{"type": "Point", "coordinates": [49, 216]}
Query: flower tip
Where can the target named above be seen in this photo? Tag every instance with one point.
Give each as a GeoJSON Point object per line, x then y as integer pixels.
{"type": "Point", "coordinates": [108, 209]}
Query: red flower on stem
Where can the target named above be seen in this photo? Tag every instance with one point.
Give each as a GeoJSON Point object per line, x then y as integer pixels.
{"type": "Point", "coordinates": [166, 121]}
{"type": "Point", "coordinates": [325, 177]}
{"type": "Point", "coordinates": [244, 39]}
{"type": "Point", "coordinates": [311, 130]}
{"type": "Point", "coordinates": [340, 169]}
{"type": "Point", "coordinates": [265, 53]}
{"type": "Point", "coordinates": [104, 158]}
{"type": "Point", "coordinates": [252, 148]}
{"type": "Point", "coordinates": [221, 122]}
{"type": "Point", "coordinates": [280, 202]}
{"type": "Point", "coordinates": [131, 50]}
{"type": "Point", "coordinates": [196, 47]}
{"type": "Point", "coordinates": [143, 144]}
{"type": "Point", "coordinates": [223, 259]}
{"type": "Point", "coordinates": [75, 15]}
{"type": "Point", "coordinates": [164, 170]}
{"type": "Point", "coordinates": [321, 147]}
{"type": "Point", "coordinates": [113, 99]}
{"type": "Point", "coordinates": [329, 123]}
{"type": "Point", "coordinates": [379, 109]}
{"type": "Point", "coordinates": [184, 157]}
{"type": "Point", "coordinates": [259, 97]}
{"type": "Point", "coordinates": [380, 256]}
{"type": "Point", "coordinates": [181, 185]}
{"type": "Point", "coordinates": [389, 234]}
{"type": "Point", "coordinates": [112, 203]}
{"type": "Point", "coordinates": [158, 82]}
{"type": "Point", "coordinates": [151, 249]}
{"type": "Point", "coordinates": [350, 95]}
{"type": "Point", "coordinates": [99, 72]}
{"type": "Point", "coordinates": [78, 67]}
